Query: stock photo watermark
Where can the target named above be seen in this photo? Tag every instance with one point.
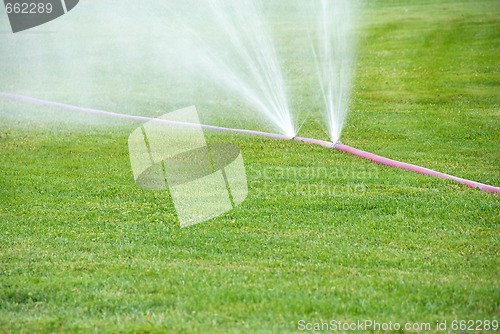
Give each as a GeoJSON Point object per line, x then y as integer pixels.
{"type": "Point", "coordinates": [371, 325]}
{"type": "Point", "coordinates": [208, 180]}
{"type": "Point", "coordinates": [204, 181]}
{"type": "Point", "coordinates": [312, 181]}
{"type": "Point", "coordinates": [27, 14]}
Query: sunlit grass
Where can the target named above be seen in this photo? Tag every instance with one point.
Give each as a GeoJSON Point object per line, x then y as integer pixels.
{"type": "Point", "coordinates": [83, 249]}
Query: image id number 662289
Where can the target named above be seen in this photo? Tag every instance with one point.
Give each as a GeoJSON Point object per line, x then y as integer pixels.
{"type": "Point", "coordinates": [29, 8]}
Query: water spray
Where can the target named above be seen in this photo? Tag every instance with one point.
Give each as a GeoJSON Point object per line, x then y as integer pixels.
{"type": "Point", "coordinates": [338, 146]}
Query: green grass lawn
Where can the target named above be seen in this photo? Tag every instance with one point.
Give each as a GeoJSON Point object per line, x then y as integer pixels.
{"type": "Point", "coordinates": [82, 249]}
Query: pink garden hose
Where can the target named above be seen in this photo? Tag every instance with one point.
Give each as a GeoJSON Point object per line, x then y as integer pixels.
{"type": "Point", "coordinates": [339, 146]}
{"type": "Point", "coordinates": [397, 164]}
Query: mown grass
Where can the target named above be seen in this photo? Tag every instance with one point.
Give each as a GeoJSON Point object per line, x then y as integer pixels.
{"type": "Point", "coordinates": [84, 250]}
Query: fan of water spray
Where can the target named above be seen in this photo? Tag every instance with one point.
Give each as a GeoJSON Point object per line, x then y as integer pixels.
{"type": "Point", "coordinates": [333, 54]}
{"type": "Point", "coordinates": [241, 59]}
